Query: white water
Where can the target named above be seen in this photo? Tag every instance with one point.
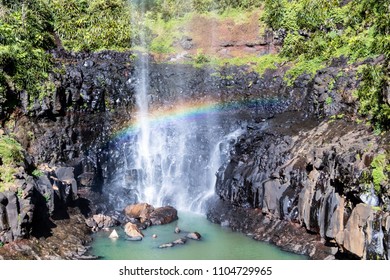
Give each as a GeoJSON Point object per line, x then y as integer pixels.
{"type": "Point", "coordinates": [176, 165]}
{"type": "Point", "coordinates": [170, 163]}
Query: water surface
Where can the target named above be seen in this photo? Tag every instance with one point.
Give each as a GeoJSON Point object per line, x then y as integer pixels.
{"type": "Point", "coordinates": [217, 243]}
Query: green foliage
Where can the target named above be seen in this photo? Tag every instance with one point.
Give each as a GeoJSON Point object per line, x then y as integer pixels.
{"type": "Point", "coordinates": [11, 155]}
{"type": "Point", "coordinates": [10, 151]}
{"type": "Point", "coordinates": [328, 100]}
{"type": "Point", "coordinates": [37, 173]}
{"type": "Point", "coordinates": [47, 197]}
{"type": "Point", "coordinates": [321, 29]}
{"type": "Point", "coordinates": [303, 66]}
{"type": "Point", "coordinates": [24, 38]}
{"type": "Point", "coordinates": [92, 25]}
{"type": "Point", "coordinates": [258, 64]}
{"type": "Point", "coordinates": [200, 58]}
{"type": "Point", "coordinates": [372, 95]}
{"type": "Point", "coordinates": [1, 244]}
{"type": "Point", "coordinates": [169, 9]}
{"type": "Point", "coordinates": [165, 33]}
{"type": "Point", "coordinates": [380, 169]}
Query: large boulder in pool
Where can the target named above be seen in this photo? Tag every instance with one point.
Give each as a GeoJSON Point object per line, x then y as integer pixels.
{"type": "Point", "coordinates": [139, 211]}
{"type": "Point", "coordinates": [133, 231]}
{"type": "Point", "coordinates": [163, 215]}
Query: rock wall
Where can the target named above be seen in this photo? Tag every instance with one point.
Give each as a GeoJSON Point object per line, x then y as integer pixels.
{"type": "Point", "coordinates": [296, 171]}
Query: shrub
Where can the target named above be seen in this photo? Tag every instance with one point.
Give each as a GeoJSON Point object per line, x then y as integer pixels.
{"type": "Point", "coordinates": [11, 155]}
{"type": "Point", "coordinates": [380, 168]}
{"type": "Point", "coordinates": [372, 95]}
{"type": "Point", "coordinates": [92, 25]}
{"type": "Point", "coordinates": [25, 37]}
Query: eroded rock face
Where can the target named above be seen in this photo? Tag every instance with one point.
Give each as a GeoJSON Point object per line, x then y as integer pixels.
{"type": "Point", "coordinates": [311, 178]}
{"type": "Point", "coordinates": [357, 230]}
{"type": "Point", "coordinates": [68, 240]}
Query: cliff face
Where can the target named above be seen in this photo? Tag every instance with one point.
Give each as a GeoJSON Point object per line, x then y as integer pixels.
{"type": "Point", "coordinates": [292, 171]}
{"type": "Point", "coordinates": [295, 177]}
{"type": "Point", "coordinates": [313, 179]}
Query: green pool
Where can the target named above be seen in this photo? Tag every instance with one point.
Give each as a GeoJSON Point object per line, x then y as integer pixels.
{"type": "Point", "coordinates": [217, 243]}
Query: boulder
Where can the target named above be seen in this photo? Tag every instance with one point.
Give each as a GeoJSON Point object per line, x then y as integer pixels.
{"type": "Point", "coordinates": [138, 238]}
{"type": "Point", "coordinates": [180, 241]}
{"type": "Point", "coordinates": [194, 235]}
{"type": "Point", "coordinates": [90, 222]}
{"type": "Point", "coordinates": [103, 221]}
{"type": "Point", "coordinates": [166, 245]}
{"type": "Point", "coordinates": [133, 231]}
{"type": "Point", "coordinates": [139, 211]}
{"type": "Point", "coordinates": [163, 215]}
{"type": "Point", "coordinates": [177, 230]}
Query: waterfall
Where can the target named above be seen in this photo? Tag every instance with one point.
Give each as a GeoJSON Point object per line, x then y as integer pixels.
{"type": "Point", "coordinates": [171, 162]}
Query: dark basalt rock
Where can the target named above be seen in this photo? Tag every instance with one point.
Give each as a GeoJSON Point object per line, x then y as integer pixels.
{"type": "Point", "coordinates": [302, 178]}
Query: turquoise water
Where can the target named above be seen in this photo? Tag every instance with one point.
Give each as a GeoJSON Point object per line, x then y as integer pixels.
{"type": "Point", "coordinates": [217, 243]}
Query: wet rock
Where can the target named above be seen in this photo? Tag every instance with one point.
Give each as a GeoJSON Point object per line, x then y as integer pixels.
{"type": "Point", "coordinates": [166, 245]}
{"type": "Point", "coordinates": [177, 230]}
{"type": "Point", "coordinates": [154, 236]}
{"type": "Point", "coordinates": [180, 241]}
{"type": "Point", "coordinates": [136, 238]}
{"type": "Point", "coordinates": [194, 235]}
{"type": "Point", "coordinates": [132, 231]}
{"type": "Point", "coordinates": [163, 215]}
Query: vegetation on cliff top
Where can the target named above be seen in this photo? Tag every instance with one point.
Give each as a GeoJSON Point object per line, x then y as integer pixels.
{"type": "Point", "coordinates": [24, 39]}
{"type": "Point", "coordinates": [313, 32]}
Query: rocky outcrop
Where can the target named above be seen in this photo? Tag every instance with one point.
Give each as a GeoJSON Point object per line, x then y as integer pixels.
{"type": "Point", "coordinates": [72, 124]}
{"type": "Point", "coordinates": [68, 241]}
{"type": "Point", "coordinates": [310, 177]}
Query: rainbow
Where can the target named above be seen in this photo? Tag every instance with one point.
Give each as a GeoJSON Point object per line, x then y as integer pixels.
{"type": "Point", "coordinates": [191, 111]}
